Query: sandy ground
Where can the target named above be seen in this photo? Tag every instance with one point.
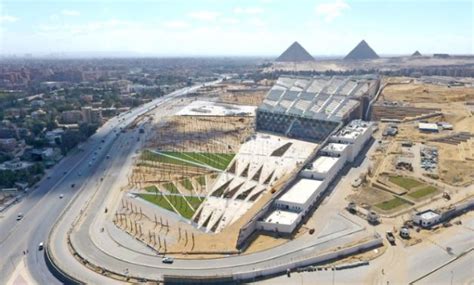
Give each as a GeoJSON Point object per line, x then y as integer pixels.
{"type": "Point", "coordinates": [201, 134]}
{"type": "Point", "coordinates": [427, 93]}
{"type": "Point", "coordinates": [456, 166]}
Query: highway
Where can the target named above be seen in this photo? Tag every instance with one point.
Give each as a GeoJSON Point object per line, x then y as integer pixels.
{"type": "Point", "coordinates": [42, 206]}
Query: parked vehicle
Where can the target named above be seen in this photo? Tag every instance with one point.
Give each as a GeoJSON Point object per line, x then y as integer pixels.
{"type": "Point", "coordinates": [390, 237]}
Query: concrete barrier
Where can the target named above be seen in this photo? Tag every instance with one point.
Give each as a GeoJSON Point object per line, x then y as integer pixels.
{"type": "Point", "coordinates": [57, 272]}
{"type": "Point", "coordinates": [323, 258]}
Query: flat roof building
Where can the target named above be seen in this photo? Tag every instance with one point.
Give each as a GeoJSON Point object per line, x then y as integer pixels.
{"type": "Point", "coordinates": [428, 127]}
{"type": "Point", "coordinates": [281, 217]}
{"type": "Point", "coordinates": [351, 132]}
{"type": "Point", "coordinates": [323, 164]}
{"type": "Point", "coordinates": [427, 218]}
{"type": "Point", "coordinates": [335, 147]}
{"type": "Point", "coordinates": [299, 194]}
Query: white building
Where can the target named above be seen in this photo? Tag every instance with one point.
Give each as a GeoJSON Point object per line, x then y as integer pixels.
{"type": "Point", "coordinates": [280, 221]}
{"type": "Point", "coordinates": [355, 135]}
{"type": "Point", "coordinates": [428, 127]}
{"type": "Point", "coordinates": [427, 218]}
{"type": "Point", "coordinates": [324, 167]}
{"type": "Point", "coordinates": [291, 207]}
{"type": "Point", "coordinates": [300, 195]}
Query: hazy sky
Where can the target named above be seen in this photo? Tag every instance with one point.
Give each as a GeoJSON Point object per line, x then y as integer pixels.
{"type": "Point", "coordinates": [228, 27]}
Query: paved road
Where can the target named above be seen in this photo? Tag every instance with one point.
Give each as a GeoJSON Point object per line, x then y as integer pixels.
{"type": "Point", "coordinates": [101, 249]}
{"type": "Point", "coordinates": [42, 207]}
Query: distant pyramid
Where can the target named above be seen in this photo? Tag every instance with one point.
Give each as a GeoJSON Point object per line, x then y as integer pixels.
{"type": "Point", "coordinates": [295, 53]}
{"type": "Point", "coordinates": [416, 53]}
{"type": "Point", "coordinates": [361, 51]}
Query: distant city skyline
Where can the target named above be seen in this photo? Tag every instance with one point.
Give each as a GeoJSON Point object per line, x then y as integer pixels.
{"type": "Point", "coordinates": [234, 28]}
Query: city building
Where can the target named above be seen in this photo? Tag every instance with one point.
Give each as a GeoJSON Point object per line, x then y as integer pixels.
{"type": "Point", "coordinates": [71, 117]}
{"type": "Point", "coordinates": [15, 165]}
{"type": "Point", "coordinates": [54, 136]}
{"type": "Point", "coordinates": [8, 145]}
{"type": "Point", "coordinates": [92, 116]}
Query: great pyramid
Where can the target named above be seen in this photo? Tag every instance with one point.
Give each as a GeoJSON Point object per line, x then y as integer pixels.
{"type": "Point", "coordinates": [361, 51]}
{"type": "Point", "coordinates": [295, 53]}
{"type": "Point", "coordinates": [416, 53]}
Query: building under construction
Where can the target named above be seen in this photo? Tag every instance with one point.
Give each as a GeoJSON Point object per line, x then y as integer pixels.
{"type": "Point", "coordinates": [310, 108]}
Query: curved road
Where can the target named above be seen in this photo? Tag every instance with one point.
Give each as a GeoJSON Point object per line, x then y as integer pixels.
{"type": "Point", "coordinates": [42, 206]}
{"type": "Point", "coordinates": [99, 248]}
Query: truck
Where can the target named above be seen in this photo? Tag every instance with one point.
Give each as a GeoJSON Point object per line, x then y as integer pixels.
{"type": "Point", "coordinates": [390, 237]}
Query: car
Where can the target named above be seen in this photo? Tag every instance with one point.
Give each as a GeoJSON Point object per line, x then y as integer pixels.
{"type": "Point", "coordinates": [72, 185]}
{"type": "Point", "coordinates": [19, 216]}
{"type": "Point", "coordinates": [167, 260]}
{"type": "Point", "coordinates": [49, 177]}
{"type": "Point", "coordinates": [61, 196]}
{"type": "Point", "coordinates": [40, 246]}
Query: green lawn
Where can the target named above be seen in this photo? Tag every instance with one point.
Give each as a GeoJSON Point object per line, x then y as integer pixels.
{"type": "Point", "coordinates": [405, 182]}
{"type": "Point", "coordinates": [148, 155]}
{"type": "Point", "coordinates": [157, 200]}
{"type": "Point", "coordinates": [216, 160]}
{"type": "Point", "coordinates": [390, 204]}
{"type": "Point", "coordinates": [194, 201]}
{"type": "Point", "coordinates": [201, 180]}
{"type": "Point", "coordinates": [171, 187]}
{"type": "Point", "coordinates": [152, 189]}
{"type": "Point", "coordinates": [177, 201]}
{"type": "Point", "coordinates": [427, 190]}
{"type": "Point", "coordinates": [187, 184]}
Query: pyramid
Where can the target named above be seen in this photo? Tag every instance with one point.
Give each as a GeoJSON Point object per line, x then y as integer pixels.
{"type": "Point", "coordinates": [295, 53]}
{"type": "Point", "coordinates": [361, 51]}
{"type": "Point", "coordinates": [416, 53]}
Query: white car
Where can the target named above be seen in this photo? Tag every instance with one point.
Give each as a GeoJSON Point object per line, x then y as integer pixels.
{"type": "Point", "coordinates": [61, 196]}
{"type": "Point", "coordinates": [40, 246]}
{"type": "Point", "coordinates": [168, 260]}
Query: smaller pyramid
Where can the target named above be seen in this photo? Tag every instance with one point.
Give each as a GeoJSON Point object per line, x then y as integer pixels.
{"type": "Point", "coordinates": [295, 53]}
{"type": "Point", "coordinates": [416, 53]}
{"type": "Point", "coordinates": [361, 51]}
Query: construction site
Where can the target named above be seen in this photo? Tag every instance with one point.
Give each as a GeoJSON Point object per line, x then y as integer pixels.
{"type": "Point", "coordinates": [234, 172]}
{"type": "Point", "coordinates": [213, 166]}
{"type": "Point", "coordinates": [424, 150]}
